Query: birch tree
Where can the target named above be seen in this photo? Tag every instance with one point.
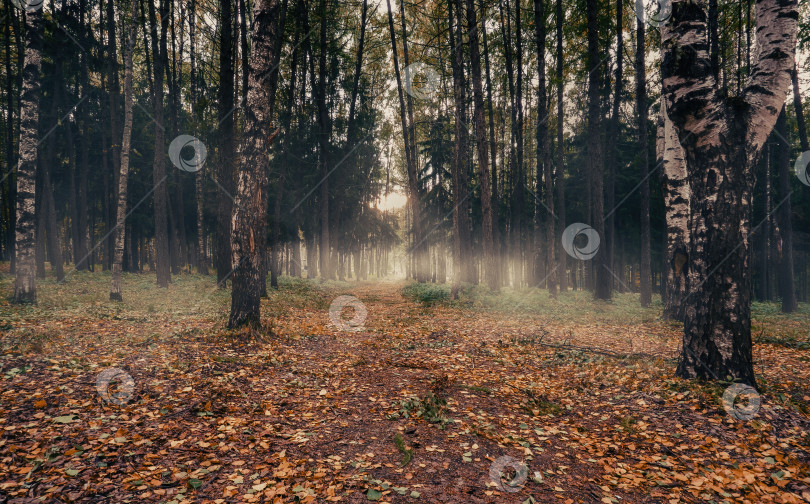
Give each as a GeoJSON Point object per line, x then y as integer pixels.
{"type": "Point", "coordinates": [722, 142]}
{"type": "Point", "coordinates": [249, 215]}
{"type": "Point", "coordinates": [123, 175]}
{"type": "Point", "coordinates": [676, 205]}
{"type": "Point", "coordinates": [25, 290]}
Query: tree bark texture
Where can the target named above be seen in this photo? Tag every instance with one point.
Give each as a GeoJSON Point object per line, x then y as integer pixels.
{"type": "Point", "coordinates": [722, 141]}
{"type": "Point", "coordinates": [25, 276]}
{"type": "Point", "coordinates": [249, 215]}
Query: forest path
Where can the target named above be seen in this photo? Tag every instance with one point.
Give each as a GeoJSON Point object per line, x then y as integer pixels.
{"type": "Point", "coordinates": [573, 399]}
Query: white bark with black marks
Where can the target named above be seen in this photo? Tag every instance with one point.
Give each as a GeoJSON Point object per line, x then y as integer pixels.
{"type": "Point", "coordinates": [123, 175]}
{"type": "Point", "coordinates": [25, 281]}
{"type": "Point", "coordinates": [676, 205]}
{"type": "Point", "coordinates": [249, 218]}
{"type": "Point", "coordinates": [722, 140]}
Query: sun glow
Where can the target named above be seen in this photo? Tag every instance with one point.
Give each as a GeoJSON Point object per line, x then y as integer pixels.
{"type": "Point", "coordinates": [393, 201]}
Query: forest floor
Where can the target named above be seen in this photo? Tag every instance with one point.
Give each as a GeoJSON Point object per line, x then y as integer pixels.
{"type": "Point", "coordinates": [507, 398]}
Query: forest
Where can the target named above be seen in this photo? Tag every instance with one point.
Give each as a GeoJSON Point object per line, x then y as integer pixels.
{"type": "Point", "coordinates": [445, 251]}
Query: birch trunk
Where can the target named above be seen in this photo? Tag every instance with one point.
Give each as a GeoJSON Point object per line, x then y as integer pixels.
{"type": "Point", "coordinates": [123, 175]}
{"type": "Point", "coordinates": [249, 218]}
{"type": "Point", "coordinates": [676, 203]}
{"type": "Point", "coordinates": [722, 141]}
{"type": "Point", "coordinates": [25, 276]}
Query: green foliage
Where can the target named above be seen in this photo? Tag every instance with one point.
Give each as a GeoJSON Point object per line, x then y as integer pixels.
{"type": "Point", "coordinates": [430, 407]}
{"type": "Point", "coordinates": [427, 294]}
{"type": "Point", "coordinates": [406, 453]}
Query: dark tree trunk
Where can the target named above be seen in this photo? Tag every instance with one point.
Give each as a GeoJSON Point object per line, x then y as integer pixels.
{"type": "Point", "coordinates": [603, 278]}
{"type": "Point", "coordinates": [764, 229]}
{"type": "Point", "coordinates": [612, 144]}
{"type": "Point", "coordinates": [323, 155]}
{"type": "Point", "coordinates": [787, 288]}
{"type": "Point", "coordinates": [52, 228]}
{"type": "Point", "coordinates": [519, 195]}
{"type": "Point", "coordinates": [544, 155]}
{"type": "Point", "coordinates": [414, 200]}
{"type": "Point", "coordinates": [249, 215]}
{"type": "Point", "coordinates": [162, 257]}
{"type": "Point", "coordinates": [6, 204]}
{"type": "Point", "coordinates": [492, 148]}
{"type": "Point", "coordinates": [224, 263]}
{"type": "Point", "coordinates": [563, 267]}
{"type": "Point", "coordinates": [641, 104]}
{"type": "Point", "coordinates": [420, 250]}
{"type": "Point", "coordinates": [202, 260]}
{"type": "Point", "coordinates": [490, 265]}
{"type": "Point", "coordinates": [462, 262]}
{"type": "Point", "coordinates": [82, 246]}
{"type": "Point", "coordinates": [25, 278]}
{"type": "Point", "coordinates": [722, 142]}
{"type": "Point", "coordinates": [276, 225]}
{"type": "Point", "coordinates": [799, 108]}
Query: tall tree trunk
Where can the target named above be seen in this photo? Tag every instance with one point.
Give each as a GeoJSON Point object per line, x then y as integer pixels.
{"type": "Point", "coordinates": [414, 201]}
{"type": "Point", "coordinates": [787, 288]}
{"type": "Point", "coordinates": [799, 108]}
{"type": "Point", "coordinates": [421, 253]}
{"type": "Point", "coordinates": [722, 142]}
{"type": "Point", "coordinates": [25, 279]}
{"type": "Point", "coordinates": [52, 227]}
{"type": "Point", "coordinates": [676, 203]}
{"type": "Point", "coordinates": [162, 257]}
{"type": "Point", "coordinates": [225, 168]}
{"type": "Point", "coordinates": [641, 104]}
{"type": "Point", "coordinates": [123, 176]}
{"type": "Point", "coordinates": [764, 230]}
{"type": "Point", "coordinates": [323, 143]}
{"type": "Point", "coordinates": [544, 152]}
{"type": "Point", "coordinates": [563, 267]}
{"type": "Point", "coordinates": [520, 175]}
{"type": "Point", "coordinates": [462, 262]}
{"type": "Point", "coordinates": [492, 148]}
{"type": "Point", "coordinates": [603, 278]}
{"type": "Point", "coordinates": [6, 204]}
{"type": "Point", "coordinates": [612, 153]}
{"type": "Point", "coordinates": [202, 260]}
{"type": "Point", "coordinates": [490, 265]}
{"type": "Point", "coordinates": [249, 215]}
{"type": "Point", "coordinates": [274, 241]}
